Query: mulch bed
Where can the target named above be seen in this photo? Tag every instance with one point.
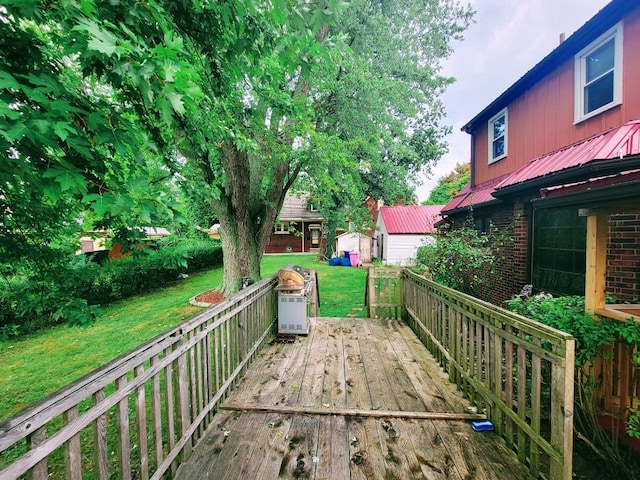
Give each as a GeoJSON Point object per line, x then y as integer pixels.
{"type": "Point", "coordinates": [210, 296]}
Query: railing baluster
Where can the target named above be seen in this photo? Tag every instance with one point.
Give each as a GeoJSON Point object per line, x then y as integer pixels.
{"type": "Point", "coordinates": [100, 440]}
{"type": "Point", "coordinates": [39, 471]}
{"type": "Point", "coordinates": [123, 428]}
{"type": "Point", "coordinates": [183, 402]}
{"type": "Point", "coordinates": [156, 412]}
{"type": "Point", "coordinates": [141, 416]}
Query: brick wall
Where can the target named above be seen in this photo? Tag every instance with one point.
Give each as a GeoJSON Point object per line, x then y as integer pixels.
{"type": "Point", "coordinates": [511, 222]}
{"type": "Point", "coordinates": [291, 242]}
{"type": "Point", "coordinates": [511, 256]}
{"type": "Point", "coordinates": [623, 257]}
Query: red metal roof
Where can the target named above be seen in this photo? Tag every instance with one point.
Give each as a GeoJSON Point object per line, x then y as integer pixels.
{"type": "Point", "coordinates": [480, 194]}
{"type": "Point", "coordinates": [616, 143]}
{"type": "Point", "coordinates": [592, 183]}
{"type": "Point", "coordinates": [411, 218]}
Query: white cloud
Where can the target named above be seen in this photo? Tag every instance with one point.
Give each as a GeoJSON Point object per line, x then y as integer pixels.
{"type": "Point", "coordinates": [508, 38]}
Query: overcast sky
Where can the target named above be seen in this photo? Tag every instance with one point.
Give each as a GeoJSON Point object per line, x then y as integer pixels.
{"type": "Point", "coordinates": [508, 39]}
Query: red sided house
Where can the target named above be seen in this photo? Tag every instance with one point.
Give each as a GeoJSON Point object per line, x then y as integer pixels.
{"type": "Point", "coordinates": [556, 157]}
{"type": "Point", "coordinates": [298, 228]}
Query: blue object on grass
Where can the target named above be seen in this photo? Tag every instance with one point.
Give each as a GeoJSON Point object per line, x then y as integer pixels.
{"type": "Point", "coordinates": [333, 261]}
{"type": "Point", "coordinates": [482, 425]}
{"type": "Point", "coordinates": [345, 262]}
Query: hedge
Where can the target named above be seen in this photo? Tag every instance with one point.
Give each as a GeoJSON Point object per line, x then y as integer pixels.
{"type": "Point", "coordinates": [27, 304]}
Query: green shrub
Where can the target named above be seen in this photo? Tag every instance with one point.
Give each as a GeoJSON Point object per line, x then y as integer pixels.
{"type": "Point", "coordinates": [460, 259]}
{"type": "Point", "coordinates": [68, 292]}
{"type": "Point", "coordinates": [151, 269]}
{"type": "Point", "coordinates": [567, 314]}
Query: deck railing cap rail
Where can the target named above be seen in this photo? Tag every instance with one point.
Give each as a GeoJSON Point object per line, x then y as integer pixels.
{"type": "Point", "coordinates": [523, 322]}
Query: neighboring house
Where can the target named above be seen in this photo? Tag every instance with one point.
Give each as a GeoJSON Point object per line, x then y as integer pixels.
{"type": "Point", "coordinates": [298, 228]}
{"type": "Point", "coordinates": [401, 229]}
{"type": "Point", "coordinates": [96, 242]}
{"type": "Point", "coordinates": [558, 147]}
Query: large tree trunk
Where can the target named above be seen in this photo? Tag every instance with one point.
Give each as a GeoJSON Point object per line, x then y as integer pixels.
{"type": "Point", "coordinates": [246, 208]}
{"type": "Point", "coordinates": [246, 214]}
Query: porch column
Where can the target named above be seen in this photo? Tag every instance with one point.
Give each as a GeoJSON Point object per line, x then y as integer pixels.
{"type": "Point", "coordinates": [595, 275]}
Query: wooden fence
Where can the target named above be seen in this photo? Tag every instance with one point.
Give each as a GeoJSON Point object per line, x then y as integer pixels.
{"type": "Point", "coordinates": [140, 415]}
{"type": "Point", "coordinates": [518, 371]}
{"type": "Point", "coordinates": [383, 293]}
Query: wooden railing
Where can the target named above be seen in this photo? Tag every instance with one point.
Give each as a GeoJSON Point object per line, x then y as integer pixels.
{"type": "Point", "coordinates": [140, 415]}
{"type": "Point", "coordinates": [518, 371]}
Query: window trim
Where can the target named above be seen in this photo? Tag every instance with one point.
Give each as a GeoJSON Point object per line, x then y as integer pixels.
{"type": "Point", "coordinates": [281, 228]}
{"type": "Point", "coordinates": [490, 138]}
{"type": "Point", "coordinates": [579, 69]}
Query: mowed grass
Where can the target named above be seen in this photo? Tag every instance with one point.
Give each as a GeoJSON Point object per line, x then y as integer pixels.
{"type": "Point", "coordinates": [37, 365]}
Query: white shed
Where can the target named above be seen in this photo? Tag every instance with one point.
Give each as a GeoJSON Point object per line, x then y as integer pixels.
{"type": "Point", "coordinates": [355, 241]}
{"type": "Point", "coordinates": [401, 229]}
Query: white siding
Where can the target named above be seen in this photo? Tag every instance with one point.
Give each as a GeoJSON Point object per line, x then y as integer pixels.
{"type": "Point", "coordinates": [380, 250]}
{"type": "Point", "coordinates": [402, 248]}
{"type": "Point", "coordinates": [348, 241]}
{"type": "Point", "coordinates": [399, 249]}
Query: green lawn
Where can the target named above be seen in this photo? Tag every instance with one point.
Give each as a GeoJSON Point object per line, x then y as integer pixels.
{"type": "Point", "coordinates": [37, 365]}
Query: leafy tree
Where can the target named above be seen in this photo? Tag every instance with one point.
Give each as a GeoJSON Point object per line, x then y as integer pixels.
{"type": "Point", "coordinates": [68, 145]}
{"type": "Point", "coordinates": [226, 95]}
{"type": "Point", "coordinates": [381, 103]}
{"type": "Point", "coordinates": [449, 185]}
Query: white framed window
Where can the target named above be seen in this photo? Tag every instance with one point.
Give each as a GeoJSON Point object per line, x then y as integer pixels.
{"type": "Point", "coordinates": [281, 228]}
{"type": "Point", "coordinates": [598, 75]}
{"type": "Point", "coordinates": [498, 136]}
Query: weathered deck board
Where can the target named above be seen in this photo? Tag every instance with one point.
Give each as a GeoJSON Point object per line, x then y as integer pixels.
{"type": "Point", "coordinates": [347, 364]}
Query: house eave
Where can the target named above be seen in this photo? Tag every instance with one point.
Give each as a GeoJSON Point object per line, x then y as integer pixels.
{"type": "Point", "coordinates": [598, 24]}
{"type": "Point", "coordinates": [469, 208]}
{"type": "Point", "coordinates": [599, 197]}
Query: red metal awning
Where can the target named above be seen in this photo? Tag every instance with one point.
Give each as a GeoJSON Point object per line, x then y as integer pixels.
{"type": "Point", "coordinates": [616, 143]}
{"type": "Point", "coordinates": [480, 194]}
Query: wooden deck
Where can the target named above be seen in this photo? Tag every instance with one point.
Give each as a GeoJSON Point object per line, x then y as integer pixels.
{"type": "Point", "coordinates": [356, 398]}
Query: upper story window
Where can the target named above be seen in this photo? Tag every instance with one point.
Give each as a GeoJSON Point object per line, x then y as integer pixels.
{"type": "Point", "coordinates": [498, 136]}
{"type": "Point", "coordinates": [598, 75]}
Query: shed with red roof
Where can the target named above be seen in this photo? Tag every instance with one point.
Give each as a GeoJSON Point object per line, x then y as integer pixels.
{"type": "Point", "coordinates": [401, 229]}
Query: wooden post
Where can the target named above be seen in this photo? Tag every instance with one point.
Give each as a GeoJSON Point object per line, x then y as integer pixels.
{"type": "Point", "coordinates": [123, 427]}
{"type": "Point", "coordinates": [371, 287]}
{"type": "Point", "coordinates": [595, 285]}
{"type": "Point", "coordinates": [595, 275]}
{"type": "Point", "coordinates": [562, 413]}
